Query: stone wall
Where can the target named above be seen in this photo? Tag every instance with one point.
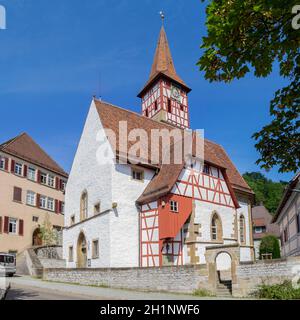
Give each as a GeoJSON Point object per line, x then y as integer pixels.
{"type": "Point", "coordinates": [251, 276]}
{"type": "Point", "coordinates": [245, 279]}
{"type": "Point", "coordinates": [173, 279]}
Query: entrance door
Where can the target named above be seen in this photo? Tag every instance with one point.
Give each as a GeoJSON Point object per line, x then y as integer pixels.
{"type": "Point", "coordinates": [37, 238]}
{"type": "Point", "coordinates": [81, 251]}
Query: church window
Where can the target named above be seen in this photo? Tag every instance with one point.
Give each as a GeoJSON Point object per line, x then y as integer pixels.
{"type": "Point", "coordinates": [95, 252]}
{"type": "Point", "coordinates": [174, 206]}
{"type": "Point", "coordinates": [242, 229]}
{"type": "Point", "coordinates": [84, 206]}
{"type": "Point", "coordinates": [71, 255]}
{"type": "Point", "coordinates": [216, 228]}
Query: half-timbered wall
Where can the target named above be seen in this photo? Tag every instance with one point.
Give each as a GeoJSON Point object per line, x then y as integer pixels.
{"type": "Point", "coordinates": [208, 187]}
{"type": "Point", "coordinates": [150, 243]}
{"type": "Point", "coordinates": [149, 107]}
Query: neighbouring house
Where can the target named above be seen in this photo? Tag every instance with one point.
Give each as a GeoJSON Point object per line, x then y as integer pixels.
{"type": "Point", "coordinates": [32, 188]}
{"type": "Point", "coordinates": [288, 218]}
{"type": "Point", "coordinates": [262, 226]}
{"type": "Point", "coordinates": [147, 214]}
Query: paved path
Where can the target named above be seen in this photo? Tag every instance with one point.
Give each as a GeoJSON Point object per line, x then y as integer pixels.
{"type": "Point", "coordinates": [27, 288]}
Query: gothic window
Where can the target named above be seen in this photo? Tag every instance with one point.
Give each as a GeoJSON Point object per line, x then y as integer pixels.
{"type": "Point", "coordinates": [84, 206]}
{"type": "Point", "coordinates": [216, 228]}
{"type": "Point", "coordinates": [242, 229]}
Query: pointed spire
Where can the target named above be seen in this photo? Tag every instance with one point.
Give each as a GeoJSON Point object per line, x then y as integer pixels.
{"type": "Point", "coordinates": [163, 62]}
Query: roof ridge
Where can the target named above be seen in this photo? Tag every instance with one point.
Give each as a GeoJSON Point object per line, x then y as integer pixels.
{"type": "Point", "coordinates": [10, 141]}
{"type": "Point", "coordinates": [137, 114]}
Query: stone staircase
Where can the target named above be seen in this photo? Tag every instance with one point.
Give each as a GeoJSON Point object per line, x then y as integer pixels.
{"type": "Point", "coordinates": [224, 288]}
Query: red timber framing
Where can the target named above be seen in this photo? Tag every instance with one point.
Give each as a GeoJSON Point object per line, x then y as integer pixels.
{"type": "Point", "coordinates": [172, 250]}
{"type": "Point", "coordinates": [179, 115]}
{"type": "Point", "coordinates": [157, 99]}
{"type": "Point", "coordinates": [208, 187]}
{"type": "Point", "coordinates": [150, 108]}
{"type": "Point", "coordinates": [149, 236]}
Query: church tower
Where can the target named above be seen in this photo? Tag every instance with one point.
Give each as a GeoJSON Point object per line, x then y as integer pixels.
{"type": "Point", "coordinates": [165, 95]}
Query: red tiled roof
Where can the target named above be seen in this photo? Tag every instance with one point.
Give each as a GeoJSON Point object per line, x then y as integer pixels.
{"type": "Point", "coordinates": [25, 148]}
{"type": "Point", "coordinates": [162, 183]}
{"type": "Point", "coordinates": [262, 218]}
{"type": "Point", "coordinates": [163, 64]}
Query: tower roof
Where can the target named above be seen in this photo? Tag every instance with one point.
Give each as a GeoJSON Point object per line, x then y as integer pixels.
{"type": "Point", "coordinates": [163, 64]}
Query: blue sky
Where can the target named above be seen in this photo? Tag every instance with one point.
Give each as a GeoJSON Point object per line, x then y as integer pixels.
{"type": "Point", "coordinates": [55, 55]}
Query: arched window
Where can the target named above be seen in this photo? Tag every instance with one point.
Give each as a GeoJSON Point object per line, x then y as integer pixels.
{"type": "Point", "coordinates": [242, 229]}
{"type": "Point", "coordinates": [216, 228]}
{"type": "Point", "coordinates": [84, 206]}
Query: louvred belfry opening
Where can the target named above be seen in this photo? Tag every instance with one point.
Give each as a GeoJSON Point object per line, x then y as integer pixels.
{"type": "Point", "coordinates": [164, 97]}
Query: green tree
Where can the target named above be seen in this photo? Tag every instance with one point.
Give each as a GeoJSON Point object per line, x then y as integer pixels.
{"type": "Point", "coordinates": [269, 244]}
{"type": "Point", "coordinates": [267, 192]}
{"type": "Point", "coordinates": [48, 233]}
{"type": "Point", "coordinates": [252, 35]}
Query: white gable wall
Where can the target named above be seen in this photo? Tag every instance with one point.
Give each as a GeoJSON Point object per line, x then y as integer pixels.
{"type": "Point", "coordinates": [86, 174]}
{"type": "Point", "coordinates": [124, 222]}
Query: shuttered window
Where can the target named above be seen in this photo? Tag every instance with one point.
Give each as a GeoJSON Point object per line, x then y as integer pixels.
{"type": "Point", "coordinates": [17, 194]}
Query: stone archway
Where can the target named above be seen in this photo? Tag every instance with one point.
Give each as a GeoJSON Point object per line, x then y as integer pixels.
{"type": "Point", "coordinates": [37, 238]}
{"type": "Point", "coordinates": [81, 251]}
{"type": "Point", "coordinates": [212, 254]}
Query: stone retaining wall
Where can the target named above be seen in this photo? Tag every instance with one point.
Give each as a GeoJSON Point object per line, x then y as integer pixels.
{"type": "Point", "coordinates": [251, 276]}
{"type": "Point", "coordinates": [173, 279]}
{"type": "Point", "coordinates": [184, 279]}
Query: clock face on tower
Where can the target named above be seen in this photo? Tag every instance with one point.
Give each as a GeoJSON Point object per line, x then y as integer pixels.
{"type": "Point", "coordinates": [175, 93]}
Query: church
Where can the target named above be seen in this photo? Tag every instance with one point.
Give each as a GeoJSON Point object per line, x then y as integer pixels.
{"type": "Point", "coordinates": [151, 214]}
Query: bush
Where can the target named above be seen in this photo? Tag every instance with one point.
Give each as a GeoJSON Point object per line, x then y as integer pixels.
{"type": "Point", "coordinates": [269, 244]}
{"type": "Point", "coordinates": [203, 293]}
{"type": "Point", "coordinates": [283, 291]}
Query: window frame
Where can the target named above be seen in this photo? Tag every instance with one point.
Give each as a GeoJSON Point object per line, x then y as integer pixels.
{"type": "Point", "coordinates": [43, 202]}
{"type": "Point", "coordinates": [51, 181]}
{"type": "Point", "coordinates": [31, 171]}
{"type": "Point", "coordinates": [135, 172]}
{"type": "Point", "coordinates": [174, 206]}
{"type": "Point", "coordinates": [30, 194]}
{"type": "Point", "coordinates": [15, 224]}
{"type": "Point", "coordinates": [95, 253]}
{"type": "Point", "coordinates": [44, 176]}
{"type": "Point", "coordinates": [18, 170]}
{"type": "Point", "coordinates": [2, 163]}
{"type": "Point", "coordinates": [52, 202]}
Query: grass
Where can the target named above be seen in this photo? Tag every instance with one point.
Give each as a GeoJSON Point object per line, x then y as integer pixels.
{"type": "Point", "coordinates": [203, 293]}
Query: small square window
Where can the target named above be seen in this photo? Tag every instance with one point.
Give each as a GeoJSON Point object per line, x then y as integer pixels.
{"type": "Point", "coordinates": [95, 249]}
{"type": "Point", "coordinates": [35, 219]}
{"type": "Point", "coordinates": [206, 169]}
{"type": "Point", "coordinates": [137, 175]}
{"type": "Point", "coordinates": [97, 208]}
{"type": "Point", "coordinates": [174, 206]}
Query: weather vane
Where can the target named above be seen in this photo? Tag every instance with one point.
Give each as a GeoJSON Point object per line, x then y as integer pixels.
{"type": "Point", "coordinates": [162, 16]}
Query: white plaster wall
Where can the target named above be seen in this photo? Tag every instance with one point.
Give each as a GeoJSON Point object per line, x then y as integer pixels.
{"type": "Point", "coordinates": [124, 222]}
{"type": "Point", "coordinates": [87, 174]}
